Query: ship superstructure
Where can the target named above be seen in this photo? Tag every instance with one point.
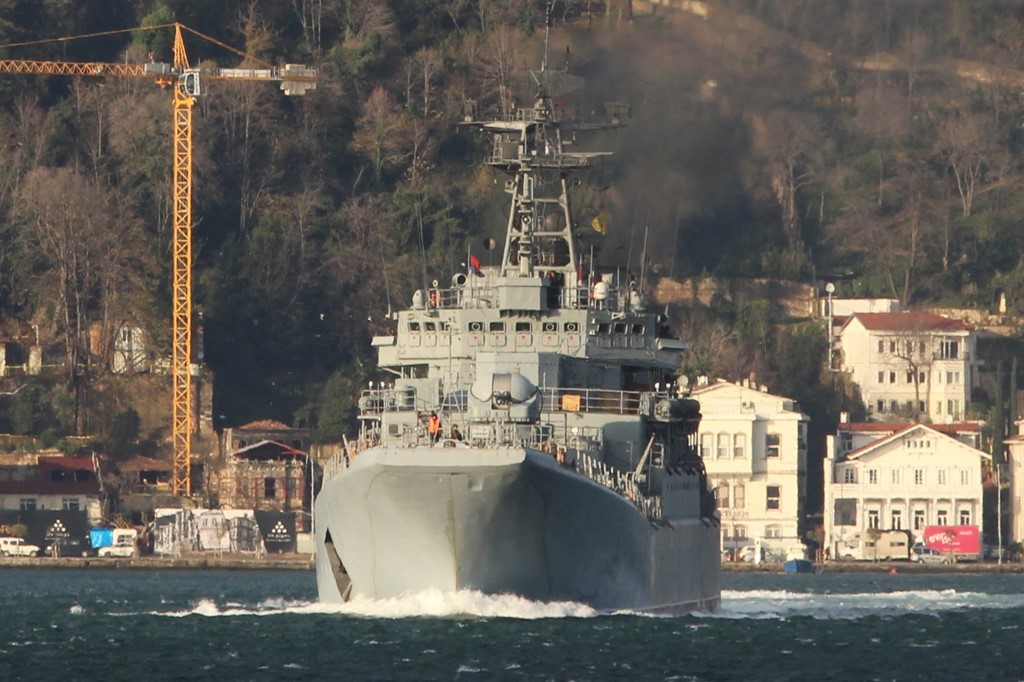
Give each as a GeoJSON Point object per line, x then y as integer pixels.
{"type": "Point", "coordinates": [566, 466]}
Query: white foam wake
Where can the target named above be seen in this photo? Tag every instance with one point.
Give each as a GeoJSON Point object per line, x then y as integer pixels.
{"type": "Point", "coordinates": [752, 604]}
{"type": "Point", "coordinates": [786, 604]}
{"type": "Point", "coordinates": [430, 603]}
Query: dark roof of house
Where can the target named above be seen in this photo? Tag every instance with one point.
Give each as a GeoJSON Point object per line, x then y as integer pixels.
{"type": "Point", "coordinates": [141, 463]}
{"type": "Point", "coordinates": [265, 425]}
{"type": "Point", "coordinates": [268, 450]}
{"type": "Point", "coordinates": [906, 429]}
{"type": "Point", "coordinates": [908, 321]}
{"type": "Point", "coordinates": [48, 482]}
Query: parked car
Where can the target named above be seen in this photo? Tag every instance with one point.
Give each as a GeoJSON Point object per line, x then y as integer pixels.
{"type": "Point", "coordinates": [923, 554]}
{"type": "Point", "coordinates": [69, 547]}
{"type": "Point", "coordinates": [118, 542]}
{"type": "Point", "coordinates": [17, 547]}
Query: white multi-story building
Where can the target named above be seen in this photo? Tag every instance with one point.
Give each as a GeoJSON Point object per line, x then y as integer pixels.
{"type": "Point", "coordinates": [754, 446]}
{"type": "Point", "coordinates": [914, 477]}
{"type": "Point", "coordinates": [1013, 471]}
{"type": "Point", "coordinates": [910, 364]}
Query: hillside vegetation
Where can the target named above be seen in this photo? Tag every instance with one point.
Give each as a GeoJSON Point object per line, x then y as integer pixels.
{"type": "Point", "coordinates": [871, 143]}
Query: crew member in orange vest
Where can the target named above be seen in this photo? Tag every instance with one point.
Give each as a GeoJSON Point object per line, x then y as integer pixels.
{"type": "Point", "coordinates": [434, 427]}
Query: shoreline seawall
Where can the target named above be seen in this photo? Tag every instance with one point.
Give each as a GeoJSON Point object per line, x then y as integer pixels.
{"type": "Point", "coordinates": [305, 562]}
{"type": "Point", "coordinates": [227, 562]}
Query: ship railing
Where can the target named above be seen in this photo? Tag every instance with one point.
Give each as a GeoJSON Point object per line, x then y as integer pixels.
{"type": "Point", "coordinates": [561, 399]}
{"type": "Point", "coordinates": [469, 296]}
{"type": "Point", "coordinates": [622, 482]}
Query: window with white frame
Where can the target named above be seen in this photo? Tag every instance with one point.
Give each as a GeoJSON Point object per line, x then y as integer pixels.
{"type": "Point", "coordinates": [846, 441]}
{"type": "Point", "coordinates": [722, 449]}
{"type": "Point", "coordinates": [942, 517]}
{"type": "Point", "coordinates": [739, 496]}
{"type": "Point", "coordinates": [705, 445]}
{"type": "Point", "coordinates": [919, 519]}
{"type": "Point", "coordinates": [69, 504]}
{"type": "Point", "coordinates": [873, 476]}
{"type": "Point", "coordinates": [874, 518]}
{"type": "Point", "coordinates": [941, 475]}
{"type": "Point", "coordinates": [965, 517]}
{"type": "Point", "coordinates": [773, 530]}
{"type": "Point", "coordinates": [739, 445]}
{"type": "Point", "coordinates": [918, 476]}
{"type": "Point", "coordinates": [965, 477]}
{"type": "Point", "coordinates": [772, 445]}
{"type": "Point", "coordinates": [897, 519]}
{"type": "Point", "coordinates": [722, 493]}
{"type": "Point", "coordinates": [896, 476]}
{"type": "Point", "coordinates": [27, 503]}
{"type": "Point", "coordinates": [949, 349]}
{"type": "Point", "coordinates": [772, 497]}
{"type": "Point", "coordinates": [849, 475]}
{"type": "Point", "coordinates": [740, 532]}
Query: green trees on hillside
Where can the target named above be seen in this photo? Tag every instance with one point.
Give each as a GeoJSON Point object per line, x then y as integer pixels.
{"type": "Point", "coordinates": [873, 142]}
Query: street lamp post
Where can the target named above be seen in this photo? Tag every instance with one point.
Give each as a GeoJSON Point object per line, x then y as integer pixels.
{"type": "Point", "coordinates": [830, 289]}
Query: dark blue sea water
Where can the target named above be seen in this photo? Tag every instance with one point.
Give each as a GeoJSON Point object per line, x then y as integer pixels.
{"type": "Point", "coordinates": [266, 625]}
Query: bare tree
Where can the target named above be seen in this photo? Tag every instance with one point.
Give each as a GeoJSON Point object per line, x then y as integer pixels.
{"type": "Point", "coordinates": [880, 116]}
{"type": "Point", "coordinates": [791, 145]}
{"type": "Point", "coordinates": [913, 53]}
{"type": "Point", "coordinates": [967, 141]}
{"type": "Point", "coordinates": [496, 64]}
{"type": "Point", "coordinates": [381, 131]}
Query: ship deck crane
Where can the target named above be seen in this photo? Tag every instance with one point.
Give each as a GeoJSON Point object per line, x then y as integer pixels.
{"type": "Point", "coordinates": [185, 84]}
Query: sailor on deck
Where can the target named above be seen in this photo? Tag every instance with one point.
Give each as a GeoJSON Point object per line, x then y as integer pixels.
{"type": "Point", "coordinates": [434, 427]}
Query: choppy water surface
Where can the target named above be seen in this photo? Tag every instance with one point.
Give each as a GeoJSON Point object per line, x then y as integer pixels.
{"type": "Point", "coordinates": [140, 625]}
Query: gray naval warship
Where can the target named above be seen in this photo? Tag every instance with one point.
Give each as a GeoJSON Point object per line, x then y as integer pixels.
{"type": "Point", "coordinates": [565, 466]}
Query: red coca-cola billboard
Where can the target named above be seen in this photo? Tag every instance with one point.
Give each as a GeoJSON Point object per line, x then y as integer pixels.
{"type": "Point", "coordinates": [953, 539]}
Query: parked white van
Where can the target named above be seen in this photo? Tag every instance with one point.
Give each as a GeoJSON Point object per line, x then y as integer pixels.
{"type": "Point", "coordinates": [123, 543]}
{"type": "Point", "coordinates": [17, 547]}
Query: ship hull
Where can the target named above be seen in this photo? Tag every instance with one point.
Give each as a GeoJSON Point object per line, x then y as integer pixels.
{"type": "Point", "coordinates": [503, 521]}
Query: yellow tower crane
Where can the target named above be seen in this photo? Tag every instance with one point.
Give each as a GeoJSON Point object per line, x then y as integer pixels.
{"type": "Point", "coordinates": [185, 83]}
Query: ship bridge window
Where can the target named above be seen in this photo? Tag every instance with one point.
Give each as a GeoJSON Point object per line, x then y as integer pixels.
{"type": "Point", "coordinates": [620, 327]}
{"type": "Point", "coordinates": [497, 326]}
{"type": "Point", "coordinates": [603, 328]}
{"type": "Point", "coordinates": [414, 326]}
{"type": "Point", "coordinates": [523, 326]}
{"type": "Point", "coordinates": [638, 330]}
{"type": "Point", "coordinates": [476, 326]}
{"type": "Point", "coordinates": [549, 327]}
{"type": "Point", "coordinates": [429, 326]}
{"type": "Point", "coordinates": [572, 327]}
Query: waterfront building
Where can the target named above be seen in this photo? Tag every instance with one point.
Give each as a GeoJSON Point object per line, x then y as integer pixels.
{"type": "Point", "coordinates": [50, 481]}
{"type": "Point", "coordinates": [910, 365]}
{"type": "Point", "coordinates": [1013, 472]}
{"type": "Point", "coordinates": [754, 446]}
{"type": "Point", "coordinates": [913, 477]}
